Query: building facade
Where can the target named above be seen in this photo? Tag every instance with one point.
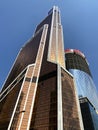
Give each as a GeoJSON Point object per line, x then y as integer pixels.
{"type": "Point", "coordinates": [39, 93]}
{"type": "Point", "coordinates": [77, 64]}
{"type": "Point", "coordinates": [90, 118]}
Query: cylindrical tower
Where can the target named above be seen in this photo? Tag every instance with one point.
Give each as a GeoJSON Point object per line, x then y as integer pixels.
{"type": "Point", "coordinates": [76, 60]}
{"type": "Point", "coordinates": [77, 64]}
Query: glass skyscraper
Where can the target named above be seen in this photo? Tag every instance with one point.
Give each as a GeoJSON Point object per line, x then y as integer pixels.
{"type": "Point", "coordinates": [77, 64]}
{"type": "Point", "coordinates": [89, 114]}
{"type": "Point", "coordinates": [39, 93]}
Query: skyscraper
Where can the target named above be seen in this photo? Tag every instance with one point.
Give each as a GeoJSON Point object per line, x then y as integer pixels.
{"type": "Point", "coordinates": [89, 114]}
{"type": "Point", "coordinates": [77, 64]}
{"type": "Point", "coordinates": [39, 93]}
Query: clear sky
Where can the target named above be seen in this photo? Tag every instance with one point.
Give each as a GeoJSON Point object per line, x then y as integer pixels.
{"type": "Point", "coordinates": [18, 19]}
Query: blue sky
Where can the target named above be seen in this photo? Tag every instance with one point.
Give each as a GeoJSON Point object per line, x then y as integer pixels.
{"type": "Point", "coordinates": [19, 18]}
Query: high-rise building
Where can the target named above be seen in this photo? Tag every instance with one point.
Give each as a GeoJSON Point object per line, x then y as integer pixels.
{"type": "Point", "coordinates": [39, 93]}
{"type": "Point", "coordinates": [89, 114]}
{"type": "Point", "coordinates": [77, 64]}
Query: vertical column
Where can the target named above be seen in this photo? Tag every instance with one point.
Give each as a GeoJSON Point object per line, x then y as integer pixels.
{"type": "Point", "coordinates": [56, 43]}
{"type": "Point", "coordinates": [61, 58]}
{"type": "Point", "coordinates": [59, 101]}
{"type": "Point", "coordinates": [52, 40]}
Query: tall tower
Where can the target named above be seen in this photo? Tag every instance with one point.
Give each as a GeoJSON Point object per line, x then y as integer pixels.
{"type": "Point", "coordinates": [77, 64]}
{"type": "Point", "coordinates": [39, 93]}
